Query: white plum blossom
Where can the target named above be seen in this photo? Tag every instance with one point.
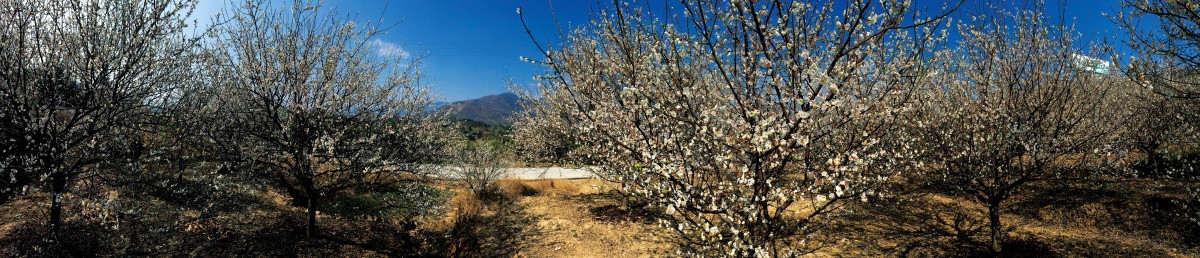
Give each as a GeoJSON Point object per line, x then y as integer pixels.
{"type": "Point", "coordinates": [1008, 108]}
{"type": "Point", "coordinates": [79, 78]}
{"type": "Point", "coordinates": [308, 101]}
{"type": "Point", "coordinates": [748, 125]}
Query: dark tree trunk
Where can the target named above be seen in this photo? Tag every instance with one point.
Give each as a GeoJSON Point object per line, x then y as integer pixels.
{"type": "Point", "coordinates": [58, 183]}
{"type": "Point", "coordinates": [1154, 158]}
{"type": "Point", "coordinates": [311, 231]}
{"type": "Point", "coordinates": [997, 234]}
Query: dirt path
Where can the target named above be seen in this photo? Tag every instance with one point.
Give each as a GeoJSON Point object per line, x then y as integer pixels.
{"type": "Point", "coordinates": [588, 224]}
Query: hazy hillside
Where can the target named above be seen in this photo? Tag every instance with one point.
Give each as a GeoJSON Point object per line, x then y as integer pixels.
{"type": "Point", "coordinates": [493, 109]}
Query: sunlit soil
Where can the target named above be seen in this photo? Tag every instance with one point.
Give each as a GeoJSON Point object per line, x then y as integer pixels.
{"type": "Point", "coordinates": [585, 218]}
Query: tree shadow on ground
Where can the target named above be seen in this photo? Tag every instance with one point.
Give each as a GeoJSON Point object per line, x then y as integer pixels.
{"type": "Point", "coordinates": [916, 225]}
{"type": "Point", "coordinates": [1150, 208]}
{"type": "Point", "coordinates": [1078, 219]}
{"type": "Point", "coordinates": [929, 226]}
{"type": "Point", "coordinates": [206, 196]}
{"type": "Point", "coordinates": [502, 233]}
{"type": "Point", "coordinates": [1040, 197]}
{"type": "Point", "coordinates": [268, 231]}
{"type": "Point", "coordinates": [33, 239]}
{"type": "Point", "coordinates": [611, 206]}
{"type": "Point", "coordinates": [1060, 246]}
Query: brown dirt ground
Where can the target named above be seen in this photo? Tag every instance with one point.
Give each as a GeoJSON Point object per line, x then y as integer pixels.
{"type": "Point", "coordinates": [584, 218]}
{"type": "Point", "coordinates": [1114, 219]}
{"type": "Point", "coordinates": [580, 218]}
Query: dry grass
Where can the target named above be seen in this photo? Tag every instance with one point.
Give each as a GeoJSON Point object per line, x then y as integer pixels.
{"type": "Point", "coordinates": [521, 188]}
{"type": "Point", "coordinates": [584, 218]}
{"type": "Point", "coordinates": [1131, 218]}
{"type": "Point", "coordinates": [570, 218]}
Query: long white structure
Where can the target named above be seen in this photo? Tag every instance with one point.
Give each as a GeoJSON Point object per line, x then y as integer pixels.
{"type": "Point", "coordinates": [1091, 64]}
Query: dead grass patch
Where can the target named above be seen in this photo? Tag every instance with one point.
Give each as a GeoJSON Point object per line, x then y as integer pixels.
{"type": "Point", "coordinates": [521, 188]}
{"type": "Point", "coordinates": [1124, 218]}
{"type": "Point", "coordinates": [570, 228]}
{"type": "Point", "coordinates": [584, 218]}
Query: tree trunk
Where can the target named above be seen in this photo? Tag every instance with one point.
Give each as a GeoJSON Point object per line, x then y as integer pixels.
{"type": "Point", "coordinates": [58, 183]}
{"type": "Point", "coordinates": [311, 232]}
{"type": "Point", "coordinates": [1154, 159]}
{"type": "Point", "coordinates": [312, 213]}
{"type": "Point", "coordinates": [997, 235]}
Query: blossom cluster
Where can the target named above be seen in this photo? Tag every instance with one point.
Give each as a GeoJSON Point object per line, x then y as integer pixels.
{"type": "Point", "coordinates": [748, 123]}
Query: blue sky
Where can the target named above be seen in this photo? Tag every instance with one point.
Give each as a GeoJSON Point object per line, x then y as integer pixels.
{"type": "Point", "coordinates": [473, 48]}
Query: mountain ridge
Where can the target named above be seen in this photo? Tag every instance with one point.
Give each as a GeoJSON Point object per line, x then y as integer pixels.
{"type": "Point", "coordinates": [496, 109]}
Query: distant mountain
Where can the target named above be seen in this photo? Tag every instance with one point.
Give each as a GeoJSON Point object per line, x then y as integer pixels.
{"type": "Point", "coordinates": [436, 105]}
{"type": "Point", "coordinates": [496, 109]}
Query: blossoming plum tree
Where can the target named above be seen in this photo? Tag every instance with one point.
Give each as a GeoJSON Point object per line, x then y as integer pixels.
{"type": "Point", "coordinates": [1011, 106]}
{"type": "Point", "coordinates": [746, 122]}
{"type": "Point", "coordinates": [479, 165]}
{"type": "Point", "coordinates": [1168, 60]}
{"type": "Point", "coordinates": [1168, 64]}
{"type": "Point", "coordinates": [77, 78]}
{"type": "Point", "coordinates": [318, 109]}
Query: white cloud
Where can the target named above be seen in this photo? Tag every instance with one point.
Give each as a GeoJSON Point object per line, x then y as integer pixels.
{"type": "Point", "coordinates": [388, 49]}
